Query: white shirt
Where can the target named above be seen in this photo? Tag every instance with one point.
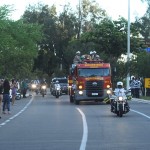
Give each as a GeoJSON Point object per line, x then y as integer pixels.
{"type": "Point", "coordinates": [57, 86]}
{"type": "Point", "coordinates": [120, 92]}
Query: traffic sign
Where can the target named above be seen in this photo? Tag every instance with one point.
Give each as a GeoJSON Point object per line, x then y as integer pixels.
{"type": "Point", "coordinates": [147, 82]}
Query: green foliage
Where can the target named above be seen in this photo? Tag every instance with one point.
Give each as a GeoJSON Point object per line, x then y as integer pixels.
{"type": "Point", "coordinates": [143, 64]}
{"type": "Point", "coordinates": [17, 46]}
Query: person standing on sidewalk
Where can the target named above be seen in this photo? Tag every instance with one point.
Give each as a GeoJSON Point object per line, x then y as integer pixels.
{"type": "Point", "coordinates": [1, 96]}
{"type": "Point", "coordinates": [137, 86]}
{"type": "Point", "coordinates": [14, 87]}
{"type": "Point", "coordinates": [132, 82]}
{"type": "Point", "coordinates": [6, 97]}
{"type": "Point", "coordinates": [24, 88]}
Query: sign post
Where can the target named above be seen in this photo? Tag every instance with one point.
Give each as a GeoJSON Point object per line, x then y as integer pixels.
{"type": "Point", "coordinates": [147, 84]}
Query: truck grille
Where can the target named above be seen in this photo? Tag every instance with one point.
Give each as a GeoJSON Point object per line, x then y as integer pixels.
{"type": "Point", "coordinates": [94, 88]}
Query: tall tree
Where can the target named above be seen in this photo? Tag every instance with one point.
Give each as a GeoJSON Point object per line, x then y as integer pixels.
{"type": "Point", "coordinates": [17, 45]}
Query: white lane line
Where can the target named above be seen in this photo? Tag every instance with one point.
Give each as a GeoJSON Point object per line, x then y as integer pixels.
{"type": "Point", "coordinates": [85, 130]}
{"type": "Point", "coordinates": [140, 113]}
{"type": "Point", "coordinates": [14, 116]}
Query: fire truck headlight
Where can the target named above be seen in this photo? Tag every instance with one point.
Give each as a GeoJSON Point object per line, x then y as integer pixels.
{"type": "Point", "coordinates": [80, 92]}
{"type": "Point", "coordinates": [108, 86]}
{"type": "Point", "coordinates": [80, 87]}
{"type": "Point", "coordinates": [108, 91]}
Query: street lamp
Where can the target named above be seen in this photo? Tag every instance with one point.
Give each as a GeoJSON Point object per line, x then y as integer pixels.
{"type": "Point", "coordinates": [128, 47]}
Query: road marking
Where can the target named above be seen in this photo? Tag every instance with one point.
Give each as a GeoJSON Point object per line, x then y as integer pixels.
{"type": "Point", "coordinates": [85, 130]}
{"type": "Point", "coordinates": [14, 116]}
{"type": "Point", "coordinates": [140, 113]}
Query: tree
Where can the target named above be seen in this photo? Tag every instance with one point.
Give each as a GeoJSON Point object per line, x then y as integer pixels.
{"type": "Point", "coordinates": [17, 46]}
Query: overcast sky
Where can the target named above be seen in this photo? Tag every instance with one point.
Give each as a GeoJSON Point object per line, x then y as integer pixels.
{"type": "Point", "coordinates": [114, 8]}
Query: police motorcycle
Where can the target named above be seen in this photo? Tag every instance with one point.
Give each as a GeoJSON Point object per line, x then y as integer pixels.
{"type": "Point", "coordinates": [57, 90]}
{"type": "Point", "coordinates": [118, 100]}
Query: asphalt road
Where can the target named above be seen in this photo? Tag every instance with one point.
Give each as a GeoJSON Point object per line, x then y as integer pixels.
{"type": "Point", "coordinates": [38, 123]}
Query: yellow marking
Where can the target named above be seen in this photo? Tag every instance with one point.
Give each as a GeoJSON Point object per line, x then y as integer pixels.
{"type": "Point", "coordinates": [94, 78]}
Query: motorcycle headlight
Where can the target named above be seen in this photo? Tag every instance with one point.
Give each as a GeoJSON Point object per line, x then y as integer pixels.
{"type": "Point", "coordinates": [33, 86]}
{"type": "Point", "coordinates": [57, 88]}
{"type": "Point", "coordinates": [120, 98]}
{"type": "Point", "coordinates": [43, 87]}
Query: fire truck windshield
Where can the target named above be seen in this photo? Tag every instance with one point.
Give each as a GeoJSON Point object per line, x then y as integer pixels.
{"type": "Point", "coordinates": [93, 72]}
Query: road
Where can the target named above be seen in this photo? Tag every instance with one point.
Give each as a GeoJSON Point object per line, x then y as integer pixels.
{"type": "Point", "coordinates": [48, 123]}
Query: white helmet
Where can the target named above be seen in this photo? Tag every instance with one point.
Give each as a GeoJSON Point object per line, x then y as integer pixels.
{"type": "Point", "coordinates": [119, 84]}
{"type": "Point", "coordinates": [57, 81]}
{"type": "Point", "coordinates": [94, 52]}
{"type": "Point", "coordinates": [78, 52]}
{"type": "Point", "coordinates": [91, 52]}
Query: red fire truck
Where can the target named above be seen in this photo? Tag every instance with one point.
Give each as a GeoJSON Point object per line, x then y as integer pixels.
{"type": "Point", "coordinates": [89, 81]}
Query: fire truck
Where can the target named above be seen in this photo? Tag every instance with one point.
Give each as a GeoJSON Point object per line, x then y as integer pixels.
{"type": "Point", "coordinates": [89, 81]}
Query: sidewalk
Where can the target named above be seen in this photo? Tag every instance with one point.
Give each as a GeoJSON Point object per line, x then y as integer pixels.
{"type": "Point", "coordinates": [140, 100]}
{"type": "Point", "coordinates": [17, 107]}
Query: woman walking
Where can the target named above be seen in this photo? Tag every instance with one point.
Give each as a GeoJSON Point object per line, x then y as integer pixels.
{"type": "Point", "coordinates": [6, 97]}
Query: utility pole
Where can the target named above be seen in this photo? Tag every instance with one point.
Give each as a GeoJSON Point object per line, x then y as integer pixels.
{"type": "Point", "coordinates": [128, 48]}
{"type": "Point", "coordinates": [80, 20]}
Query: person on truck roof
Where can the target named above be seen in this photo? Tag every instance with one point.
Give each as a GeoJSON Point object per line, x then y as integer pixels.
{"type": "Point", "coordinates": [77, 58]}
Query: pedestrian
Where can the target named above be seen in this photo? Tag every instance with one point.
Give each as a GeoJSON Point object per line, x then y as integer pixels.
{"type": "Point", "coordinates": [6, 96]}
{"type": "Point", "coordinates": [132, 86]}
{"type": "Point", "coordinates": [24, 88]}
{"type": "Point", "coordinates": [1, 96]}
{"type": "Point", "coordinates": [14, 88]}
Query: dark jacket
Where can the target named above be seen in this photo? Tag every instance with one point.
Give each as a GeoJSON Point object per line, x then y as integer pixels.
{"type": "Point", "coordinates": [6, 87]}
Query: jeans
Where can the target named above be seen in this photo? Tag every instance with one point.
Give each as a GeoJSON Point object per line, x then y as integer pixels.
{"type": "Point", "coordinates": [6, 102]}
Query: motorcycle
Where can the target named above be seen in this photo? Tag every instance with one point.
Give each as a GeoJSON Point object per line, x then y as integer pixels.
{"type": "Point", "coordinates": [43, 90]}
{"type": "Point", "coordinates": [119, 104]}
{"type": "Point", "coordinates": [57, 92]}
{"type": "Point", "coordinates": [34, 87]}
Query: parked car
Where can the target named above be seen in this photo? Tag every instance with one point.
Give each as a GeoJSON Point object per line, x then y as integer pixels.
{"type": "Point", "coordinates": [63, 81]}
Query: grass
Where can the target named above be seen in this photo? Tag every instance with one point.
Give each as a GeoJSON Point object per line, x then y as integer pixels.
{"type": "Point", "coordinates": [145, 97]}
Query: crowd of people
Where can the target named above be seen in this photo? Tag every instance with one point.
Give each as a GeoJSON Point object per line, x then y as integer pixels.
{"type": "Point", "coordinates": [135, 85]}
{"type": "Point", "coordinates": [8, 88]}
{"type": "Point", "coordinates": [81, 58]}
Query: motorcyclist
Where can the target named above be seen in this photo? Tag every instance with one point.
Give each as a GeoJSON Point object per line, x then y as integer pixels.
{"type": "Point", "coordinates": [43, 82]}
{"type": "Point", "coordinates": [57, 86]}
{"type": "Point", "coordinates": [120, 91]}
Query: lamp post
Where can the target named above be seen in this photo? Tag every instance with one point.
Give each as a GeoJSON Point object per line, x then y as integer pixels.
{"type": "Point", "coordinates": [128, 47]}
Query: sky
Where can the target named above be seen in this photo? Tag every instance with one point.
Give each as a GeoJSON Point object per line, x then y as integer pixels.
{"type": "Point", "coordinates": [114, 8]}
